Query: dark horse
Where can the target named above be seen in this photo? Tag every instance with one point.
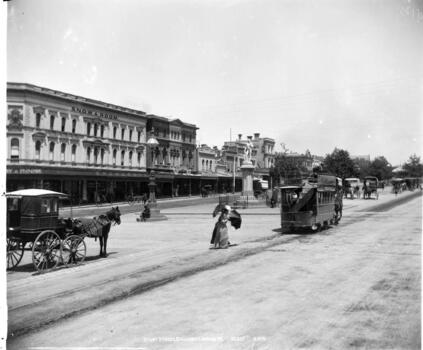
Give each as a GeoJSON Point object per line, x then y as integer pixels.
{"type": "Point", "coordinates": [113, 215]}
{"type": "Point", "coordinates": [98, 227]}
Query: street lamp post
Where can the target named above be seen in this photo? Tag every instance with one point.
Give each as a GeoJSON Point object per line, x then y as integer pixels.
{"type": "Point", "coordinates": [155, 214]}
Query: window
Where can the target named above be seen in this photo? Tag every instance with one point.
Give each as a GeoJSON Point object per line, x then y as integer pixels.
{"type": "Point", "coordinates": [51, 150]}
{"type": "Point", "coordinates": [38, 120]}
{"type": "Point", "coordinates": [52, 122]}
{"type": "Point", "coordinates": [95, 130]}
{"type": "Point", "coordinates": [73, 126]}
{"type": "Point", "coordinates": [123, 134]}
{"type": "Point", "coordinates": [130, 158]}
{"type": "Point", "coordinates": [88, 129]}
{"type": "Point", "coordinates": [37, 150]}
{"type": "Point", "coordinates": [88, 154]}
{"type": "Point", "coordinates": [63, 124]}
{"type": "Point", "coordinates": [122, 158]}
{"type": "Point", "coordinates": [139, 158]}
{"type": "Point", "coordinates": [114, 132]}
{"type": "Point", "coordinates": [62, 152]}
{"type": "Point", "coordinates": [102, 131]}
{"type": "Point", "coordinates": [130, 135]}
{"type": "Point", "coordinates": [139, 136]}
{"type": "Point", "coordinates": [95, 155]}
{"type": "Point", "coordinates": [114, 156]}
{"type": "Point", "coordinates": [14, 144]}
{"type": "Point", "coordinates": [73, 153]}
{"type": "Point", "coordinates": [102, 156]}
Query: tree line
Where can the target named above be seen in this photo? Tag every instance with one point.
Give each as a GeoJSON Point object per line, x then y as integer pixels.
{"type": "Point", "coordinates": [340, 164]}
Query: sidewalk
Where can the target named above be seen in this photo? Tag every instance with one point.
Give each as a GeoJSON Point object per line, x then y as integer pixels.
{"type": "Point", "coordinates": [143, 256]}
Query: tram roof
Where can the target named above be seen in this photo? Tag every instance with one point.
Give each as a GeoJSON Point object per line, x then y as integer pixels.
{"type": "Point", "coordinates": [35, 192]}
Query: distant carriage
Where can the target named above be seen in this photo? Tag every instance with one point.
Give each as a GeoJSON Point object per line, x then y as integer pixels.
{"type": "Point", "coordinates": [33, 224]}
{"type": "Point", "coordinates": [311, 205]}
{"type": "Point", "coordinates": [352, 187]}
{"type": "Point", "coordinates": [370, 187]}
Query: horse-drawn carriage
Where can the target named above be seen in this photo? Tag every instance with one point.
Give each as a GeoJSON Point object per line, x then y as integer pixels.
{"type": "Point", "coordinates": [370, 186]}
{"type": "Point", "coordinates": [314, 205]}
{"type": "Point", "coordinates": [33, 224]}
{"type": "Point", "coordinates": [352, 187]}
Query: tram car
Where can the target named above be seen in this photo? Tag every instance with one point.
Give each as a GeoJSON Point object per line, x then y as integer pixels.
{"type": "Point", "coordinates": [310, 205]}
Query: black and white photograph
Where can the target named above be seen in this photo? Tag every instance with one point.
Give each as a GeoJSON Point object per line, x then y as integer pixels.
{"type": "Point", "coordinates": [211, 174]}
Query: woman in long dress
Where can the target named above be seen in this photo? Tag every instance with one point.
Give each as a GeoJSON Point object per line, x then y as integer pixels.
{"type": "Point", "coordinates": [220, 237]}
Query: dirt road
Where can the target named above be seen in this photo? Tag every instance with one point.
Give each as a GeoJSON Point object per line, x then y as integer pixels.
{"type": "Point", "coordinates": [354, 286]}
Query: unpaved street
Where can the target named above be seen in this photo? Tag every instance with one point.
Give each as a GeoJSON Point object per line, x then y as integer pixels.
{"type": "Point", "coordinates": [354, 285]}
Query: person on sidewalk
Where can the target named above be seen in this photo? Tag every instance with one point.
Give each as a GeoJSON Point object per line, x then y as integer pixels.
{"type": "Point", "coordinates": [146, 213]}
{"type": "Point", "coordinates": [220, 238]}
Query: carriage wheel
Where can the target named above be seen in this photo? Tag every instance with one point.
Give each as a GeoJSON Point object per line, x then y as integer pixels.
{"type": "Point", "coordinates": [15, 252]}
{"type": "Point", "coordinates": [73, 250]}
{"type": "Point", "coordinates": [46, 250]}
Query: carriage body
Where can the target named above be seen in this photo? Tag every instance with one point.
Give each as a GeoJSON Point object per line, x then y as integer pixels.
{"type": "Point", "coordinates": [309, 206]}
{"type": "Point", "coordinates": [33, 224]}
{"type": "Point", "coordinates": [30, 212]}
{"type": "Point", "coordinates": [370, 187]}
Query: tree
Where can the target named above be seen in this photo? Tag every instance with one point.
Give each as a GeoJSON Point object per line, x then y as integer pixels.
{"type": "Point", "coordinates": [340, 164]}
{"type": "Point", "coordinates": [286, 167]}
{"type": "Point", "coordinates": [380, 168]}
{"type": "Point", "coordinates": [413, 167]}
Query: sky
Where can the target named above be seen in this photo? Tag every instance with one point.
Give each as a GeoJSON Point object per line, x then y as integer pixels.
{"type": "Point", "coordinates": [310, 74]}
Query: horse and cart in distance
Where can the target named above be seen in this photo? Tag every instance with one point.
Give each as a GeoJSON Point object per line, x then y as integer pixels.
{"type": "Point", "coordinates": [315, 204]}
{"type": "Point", "coordinates": [352, 187]}
{"type": "Point", "coordinates": [33, 224]}
{"type": "Point", "coordinates": [370, 187]}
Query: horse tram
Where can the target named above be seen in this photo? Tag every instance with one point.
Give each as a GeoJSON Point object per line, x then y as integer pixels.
{"type": "Point", "coordinates": [370, 186]}
{"type": "Point", "coordinates": [33, 224]}
{"type": "Point", "coordinates": [352, 187]}
{"type": "Point", "coordinates": [315, 204]}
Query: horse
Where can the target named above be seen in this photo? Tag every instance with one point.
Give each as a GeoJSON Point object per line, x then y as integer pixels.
{"type": "Point", "coordinates": [98, 227]}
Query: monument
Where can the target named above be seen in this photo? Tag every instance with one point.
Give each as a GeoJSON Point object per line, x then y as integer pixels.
{"type": "Point", "coordinates": [247, 170]}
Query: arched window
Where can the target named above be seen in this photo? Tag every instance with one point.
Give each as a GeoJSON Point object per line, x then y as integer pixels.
{"type": "Point", "coordinates": [123, 134]}
{"type": "Point", "coordinates": [73, 153]}
{"type": "Point", "coordinates": [14, 145]}
{"type": "Point", "coordinates": [38, 120]}
{"type": "Point", "coordinates": [51, 151]}
{"type": "Point", "coordinates": [139, 158]}
{"type": "Point", "coordinates": [102, 156]}
{"type": "Point", "coordinates": [95, 130]}
{"type": "Point", "coordinates": [130, 134]}
{"type": "Point", "coordinates": [95, 155]}
{"type": "Point", "coordinates": [88, 154]}
{"type": "Point", "coordinates": [62, 152]}
{"type": "Point", "coordinates": [130, 158]}
{"type": "Point", "coordinates": [122, 158]}
{"type": "Point", "coordinates": [139, 136]}
{"type": "Point", "coordinates": [114, 131]}
{"type": "Point", "coordinates": [114, 156]}
{"type": "Point", "coordinates": [73, 126]}
{"type": "Point", "coordinates": [88, 129]}
{"type": "Point", "coordinates": [37, 150]}
{"type": "Point", "coordinates": [52, 122]}
{"type": "Point", "coordinates": [63, 124]}
{"type": "Point", "coordinates": [102, 131]}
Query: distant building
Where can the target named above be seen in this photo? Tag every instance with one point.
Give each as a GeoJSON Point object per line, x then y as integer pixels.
{"type": "Point", "coordinates": [361, 157]}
